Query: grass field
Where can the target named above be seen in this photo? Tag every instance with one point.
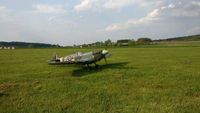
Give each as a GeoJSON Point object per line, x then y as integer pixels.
{"type": "Point", "coordinates": [141, 80]}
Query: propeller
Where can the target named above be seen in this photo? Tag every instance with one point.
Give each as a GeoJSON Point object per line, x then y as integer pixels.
{"type": "Point", "coordinates": [105, 54]}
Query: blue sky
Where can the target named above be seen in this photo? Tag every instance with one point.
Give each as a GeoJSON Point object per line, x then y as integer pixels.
{"type": "Point", "coordinates": [69, 22]}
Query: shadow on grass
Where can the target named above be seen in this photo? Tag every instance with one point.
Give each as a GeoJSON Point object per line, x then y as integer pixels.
{"type": "Point", "coordinates": [86, 71]}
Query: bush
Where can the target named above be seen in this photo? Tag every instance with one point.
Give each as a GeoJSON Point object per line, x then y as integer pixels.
{"type": "Point", "coordinates": [144, 41]}
{"type": "Point", "coordinates": [131, 43]}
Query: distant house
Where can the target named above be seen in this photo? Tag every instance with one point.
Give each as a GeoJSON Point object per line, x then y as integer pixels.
{"type": "Point", "coordinates": [7, 47]}
{"type": "Point", "coordinates": [12, 47]}
{"type": "Point", "coordinates": [123, 42]}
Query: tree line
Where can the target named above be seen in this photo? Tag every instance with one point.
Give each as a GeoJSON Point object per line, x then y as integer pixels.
{"type": "Point", "coordinates": [122, 42]}
{"type": "Point", "coordinates": [26, 45]}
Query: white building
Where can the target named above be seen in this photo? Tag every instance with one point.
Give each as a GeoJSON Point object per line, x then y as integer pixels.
{"type": "Point", "coordinates": [12, 47]}
{"type": "Point", "coordinates": [8, 47]}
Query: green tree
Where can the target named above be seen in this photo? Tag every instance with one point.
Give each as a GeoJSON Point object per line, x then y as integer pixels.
{"type": "Point", "coordinates": [144, 41]}
{"type": "Point", "coordinates": [108, 42]}
{"type": "Point", "coordinates": [131, 43]}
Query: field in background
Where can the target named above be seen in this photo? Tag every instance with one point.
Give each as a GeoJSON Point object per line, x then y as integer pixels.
{"type": "Point", "coordinates": [179, 43]}
{"type": "Point", "coordinates": [142, 80]}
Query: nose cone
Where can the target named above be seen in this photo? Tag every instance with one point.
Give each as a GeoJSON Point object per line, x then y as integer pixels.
{"type": "Point", "coordinates": [104, 52]}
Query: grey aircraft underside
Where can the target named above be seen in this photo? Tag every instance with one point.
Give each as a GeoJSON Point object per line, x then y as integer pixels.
{"type": "Point", "coordinates": [81, 58]}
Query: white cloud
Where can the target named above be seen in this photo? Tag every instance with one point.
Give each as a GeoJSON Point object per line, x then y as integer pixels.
{"type": "Point", "coordinates": [59, 21]}
{"type": "Point", "coordinates": [152, 16]}
{"type": "Point", "coordinates": [110, 4]}
{"type": "Point", "coordinates": [185, 10]}
{"type": "Point", "coordinates": [195, 30]}
{"type": "Point", "coordinates": [84, 5]}
{"type": "Point", "coordinates": [3, 8]}
{"type": "Point", "coordinates": [3, 12]}
{"type": "Point", "coordinates": [196, 3]}
{"type": "Point", "coordinates": [168, 11]}
{"type": "Point", "coordinates": [43, 8]}
{"type": "Point", "coordinates": [171, 5]}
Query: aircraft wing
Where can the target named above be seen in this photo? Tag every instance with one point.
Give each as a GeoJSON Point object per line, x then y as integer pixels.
{"type": "Point", "coordinates": [70, 59]}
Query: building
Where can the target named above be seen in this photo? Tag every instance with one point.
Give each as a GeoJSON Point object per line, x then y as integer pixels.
{"type": "Point", "coordinates": [123, 42]}
{"type": "Point", "coordinates": [12, 48]}
{"type": "Point", "coordinates": [8, 47]}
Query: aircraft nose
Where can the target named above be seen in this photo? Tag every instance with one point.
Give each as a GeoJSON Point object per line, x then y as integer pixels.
{"type": "Point", "coordinates": [104, 52]}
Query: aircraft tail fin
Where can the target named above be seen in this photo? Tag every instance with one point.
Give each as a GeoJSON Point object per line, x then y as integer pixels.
{"type": "Point", "coordinates": [54, 57]}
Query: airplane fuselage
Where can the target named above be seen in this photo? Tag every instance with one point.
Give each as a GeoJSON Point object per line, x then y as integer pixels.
{"type": "Point", "coordinates": [81, 58]}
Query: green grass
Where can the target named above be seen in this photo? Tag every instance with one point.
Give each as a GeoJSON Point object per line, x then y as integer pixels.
{"type": "Point", "coordinates": [141, 80]}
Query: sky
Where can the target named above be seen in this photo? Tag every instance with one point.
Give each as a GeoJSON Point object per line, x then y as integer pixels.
{"type": "Point", "coordinates": [68, 22]}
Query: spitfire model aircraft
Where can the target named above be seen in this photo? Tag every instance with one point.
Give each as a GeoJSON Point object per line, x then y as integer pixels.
{"type": "Point", "coordinates": [81, 58]}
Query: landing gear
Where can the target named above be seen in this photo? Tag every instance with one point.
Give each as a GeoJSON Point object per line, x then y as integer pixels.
{"type": "Point", "coordinates": [90, 68]}
{"type": "Point", "coordinates": [96, 65]}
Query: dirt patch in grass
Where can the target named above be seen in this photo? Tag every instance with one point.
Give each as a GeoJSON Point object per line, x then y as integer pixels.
{"type": "Point", "coordinates": [186, 62]}
{"type": "Point", "coordinates": [161, 86]}
{"type": "Point", "coordinates": [35, 82]}
{"type": "Point", "coordinates": [197, 95]}
{"type": "Point", "coordinates": [5, 87]}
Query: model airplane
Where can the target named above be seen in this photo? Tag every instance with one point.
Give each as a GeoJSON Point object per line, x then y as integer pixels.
{"type": "Point", "coordinates": [81, 58]}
